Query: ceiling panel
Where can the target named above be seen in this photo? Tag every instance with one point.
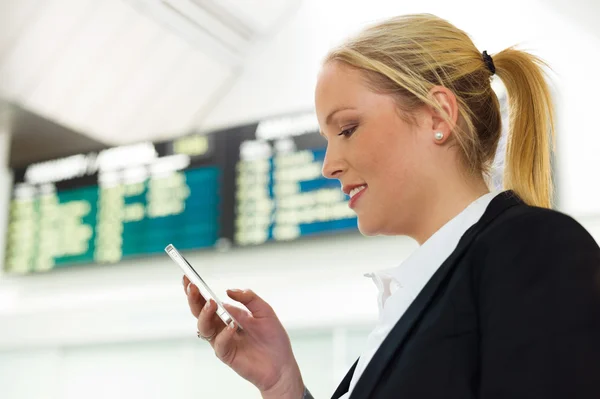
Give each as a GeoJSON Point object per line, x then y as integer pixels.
{"type": "Point", "coordinates": [145, 85]}
{"type": "Point", "coordinates": [37, 45]}
{"type": "Point", "coordinates": [117, 64]}
{"type": "Point", "coordinates": [127, 70]}
{"type": "Point", "coordinates": [15, 16]}
{"type": "Point", "coordinates": [70, 73]}
{"type": "Point", "coordinates": [175, 106]}
{"type": "Point", "coordinates": [262, 15]}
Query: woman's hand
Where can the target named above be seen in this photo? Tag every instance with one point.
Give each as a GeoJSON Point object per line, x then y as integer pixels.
{"type": "Point", "coordinates": [261, 352]}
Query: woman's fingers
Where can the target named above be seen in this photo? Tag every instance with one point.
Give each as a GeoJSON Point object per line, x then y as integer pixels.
{"type": "Point", "coordinates": [255, 304]}
{"type": "Point", "coordinates": [195, 300]}
{"type": "Point", "coordinates": [209, 324]}
{"type": "Point", "coordinates": [224, 344]}
{"type": "Point", "coordinates": [186, 282]}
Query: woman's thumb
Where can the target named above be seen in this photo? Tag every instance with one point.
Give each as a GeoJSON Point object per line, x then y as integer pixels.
{"type": "Point", "coordinates": [255, 304]}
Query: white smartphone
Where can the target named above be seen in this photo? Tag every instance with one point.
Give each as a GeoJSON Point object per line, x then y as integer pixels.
{"type": "Point", "coordinates": [204, 289]}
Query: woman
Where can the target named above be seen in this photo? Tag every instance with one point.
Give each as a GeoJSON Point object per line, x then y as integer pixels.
{"type": "Point", "coordinates": [502, 298]}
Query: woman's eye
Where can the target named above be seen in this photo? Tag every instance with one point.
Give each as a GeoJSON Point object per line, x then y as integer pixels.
{"type": "Point", "coordinates": [348, 132]}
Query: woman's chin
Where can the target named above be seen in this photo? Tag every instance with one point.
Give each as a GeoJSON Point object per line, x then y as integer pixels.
{"type": "Point", "coordinates": [367, 229]}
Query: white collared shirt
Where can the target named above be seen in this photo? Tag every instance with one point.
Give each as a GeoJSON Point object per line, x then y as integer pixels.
{"type": "Point", "coordinates": [399, 286]}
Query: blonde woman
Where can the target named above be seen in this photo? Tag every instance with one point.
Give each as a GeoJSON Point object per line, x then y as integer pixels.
{"type": "Point", "coordinates": [502, 297]}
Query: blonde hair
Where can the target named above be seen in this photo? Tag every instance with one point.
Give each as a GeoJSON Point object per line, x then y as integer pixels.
{"type": "Point", "coordinates": [408, 55]}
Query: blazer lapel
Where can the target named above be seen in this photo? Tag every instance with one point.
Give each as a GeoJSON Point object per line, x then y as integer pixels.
{"type": "Point", "coordinates": [345, 384]}
{"type": "Point", "coordinates": [395, 340]}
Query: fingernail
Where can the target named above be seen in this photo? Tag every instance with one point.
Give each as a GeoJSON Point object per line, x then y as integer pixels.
{"type": "Point", "coordinates": [235, 290]}
{"type": "Point", "coordinates": [189, 288]}
{"type": "Point", "coordinates": [231, 325]}
{"type": "Point", "coordinates": [207, 305]}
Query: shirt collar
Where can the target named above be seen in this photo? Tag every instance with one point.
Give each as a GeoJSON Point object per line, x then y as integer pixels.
{"type": "Point", "coordinates": [412, 274]}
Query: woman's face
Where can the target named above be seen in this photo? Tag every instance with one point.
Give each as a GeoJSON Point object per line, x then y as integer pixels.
{"type": "Point", "coordinates": [370, 147]}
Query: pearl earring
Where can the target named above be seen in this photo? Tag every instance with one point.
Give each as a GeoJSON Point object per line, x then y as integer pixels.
{"type": "Point", "coordinates": [439, 135]}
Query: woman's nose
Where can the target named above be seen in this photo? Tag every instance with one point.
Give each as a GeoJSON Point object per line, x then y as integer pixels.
{"type": "Point", "coordinates": [333, 165]}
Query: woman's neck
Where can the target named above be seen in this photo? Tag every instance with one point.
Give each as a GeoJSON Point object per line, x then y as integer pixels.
{"type": "Point", "coordinates": [446, 204]}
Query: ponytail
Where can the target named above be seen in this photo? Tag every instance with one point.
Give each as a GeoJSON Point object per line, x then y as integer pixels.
{"type": "Point", "coordinates": [531, 131]}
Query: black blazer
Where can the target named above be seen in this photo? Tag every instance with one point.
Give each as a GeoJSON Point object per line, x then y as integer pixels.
{"type": "Point", "coordinates": [513, 313]}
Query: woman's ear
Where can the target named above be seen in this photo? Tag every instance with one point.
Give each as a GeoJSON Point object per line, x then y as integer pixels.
{"type": "Point", "coordinates": [444, 117]}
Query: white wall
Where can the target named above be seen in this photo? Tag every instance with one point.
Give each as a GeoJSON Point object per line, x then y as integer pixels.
{"type": "Point", "coordinates": [282, 75]}
{"type": "Point", "coordinates": [5, 182]}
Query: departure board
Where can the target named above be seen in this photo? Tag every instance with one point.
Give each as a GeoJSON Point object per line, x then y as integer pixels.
{"type": "Point", "coordinates": [121, 202]}
{"type": "Point", "coordinates": [281, 194]}
{"type": "Point", "coordinates": [242, 186]}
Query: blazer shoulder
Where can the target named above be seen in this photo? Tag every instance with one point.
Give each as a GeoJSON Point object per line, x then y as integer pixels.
{"type": "Point", "coordinates": [524, 222]}
{"type": "Point", "coordinates": [527, 242]}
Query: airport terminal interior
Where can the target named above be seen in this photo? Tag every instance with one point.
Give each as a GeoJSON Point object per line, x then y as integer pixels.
{"type": "Point", "coordinates": [129, 125]}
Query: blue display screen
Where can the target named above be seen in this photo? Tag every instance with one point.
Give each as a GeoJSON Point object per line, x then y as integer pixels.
{"type": "Point", "coordinates": [284, 197]}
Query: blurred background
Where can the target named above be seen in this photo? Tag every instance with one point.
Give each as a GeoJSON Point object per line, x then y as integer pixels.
{"type": "Point", "coordinates": [126, 125]}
